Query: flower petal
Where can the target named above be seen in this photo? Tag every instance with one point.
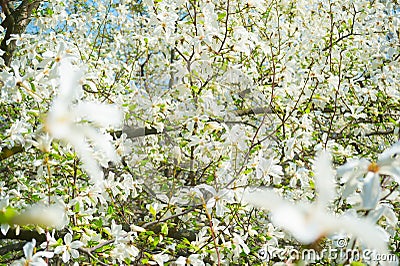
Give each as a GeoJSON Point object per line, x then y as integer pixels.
{"type": "Point", "coordinates": [324, 179]}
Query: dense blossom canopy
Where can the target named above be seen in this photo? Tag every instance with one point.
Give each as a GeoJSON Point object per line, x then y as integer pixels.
{"type": "Point", "coordinates": [193, 132]}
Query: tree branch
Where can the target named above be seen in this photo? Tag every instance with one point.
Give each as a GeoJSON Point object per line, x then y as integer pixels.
{"type": "Point", "coordinates": [27, 235]}
{"type": "Point", "coordinates": [15, 22]}
{"type": "Point", "coordinates": [7, 152]}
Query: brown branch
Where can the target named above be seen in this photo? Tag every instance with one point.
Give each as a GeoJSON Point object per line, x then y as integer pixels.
{"type": "Point", "coordinates": [27, 235]}
{"type": "Point", "coordinates": [8, 152]}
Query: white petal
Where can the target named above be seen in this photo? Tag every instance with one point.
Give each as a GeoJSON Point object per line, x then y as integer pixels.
{"type": "Point", "coordinates": [103, 115]}
{"type": "Point", "coordinates": [371, 191]}
{"type": "Point", "coordinates": [353, 168]}
{"type": "Point", "coordinates": [67, 239]}
{"type": "Point", "coordinates": [4, 228]}
{"type": "Point", "coordinates": [74, 253]}
{"type": "Point", "coordinates": [70, 89]}
{"type": "Point", "coordinates": [368, 233]}
{"type": "Point", "coordinates": [66, 256]}
{"type": "Point", "coordinates": [76, 244]}
{"type": "Point", "coordinates": [388, 154]}
{"type": "Point", "coordinates": [324, 179]}
{"type": "Point", "coordinates": [28, 248]}
{"type": "Point", "coordinates": [101, 143]}
{"type": "Point", "coordinates": [46, 254]}
{"type": "Point", "coordinates": [59, 249]}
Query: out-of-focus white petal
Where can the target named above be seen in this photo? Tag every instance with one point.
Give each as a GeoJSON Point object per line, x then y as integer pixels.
{"type": "Point", "coordinates": [266, 199]}
{"type": "Point", "coordinates": [308, 223]}
{"type": "Point", "coordinates": [89, 163]}
{"type": "Point", "coordinates": [371, 191]}
{"type": "Point", "coordinates": [51, 216]}
{"type": "Point", "coordinates": [69, 82]}
{"type": "Point", "coordinates": [384, 210]}
{"type": "Point", "coordinates": [324, 179]}
{"type": "Point", "coordinates": [100, 142]}
{"type": "Point", "coordinates": [367, 232]}
{"type": "Point", "coordinates": [387, 155]}
{"type": "Point", "coordinates": [102, 115]}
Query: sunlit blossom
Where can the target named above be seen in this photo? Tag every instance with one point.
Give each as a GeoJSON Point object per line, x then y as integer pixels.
{"type": "Point", "coordinates": [388, 163]}
{"type": "Point", "coordinates": [33, 258]}
{"type": "Point", "coordinates": [193, 259]}
{"type": "Point", "coordinates": [69, 249]}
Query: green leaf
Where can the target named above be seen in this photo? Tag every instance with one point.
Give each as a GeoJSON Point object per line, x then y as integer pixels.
{"type": "Point", "coordinates": [152, 211]}
{"type": "Point", "coordinates": [357, 263]}
{"type": "Point", "coordinates": [110, 210]}
{"type": "Point", "coordinates": [164, 229]}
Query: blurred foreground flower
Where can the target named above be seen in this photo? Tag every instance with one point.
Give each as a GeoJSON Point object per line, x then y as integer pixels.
{"type": "Point", "coordinates": [77, 122]}
{"type": "Point", "coordinates": [308, 222]}
{"type": "Point", "coordinates": [46, 216]}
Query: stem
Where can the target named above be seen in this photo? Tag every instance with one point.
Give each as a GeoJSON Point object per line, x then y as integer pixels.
{"type": "Point", "coordinates": [212, 231]}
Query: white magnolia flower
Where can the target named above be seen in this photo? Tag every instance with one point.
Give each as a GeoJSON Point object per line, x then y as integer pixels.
{"type": "Point", "coordinates": [236, 137]}
{"type": "Point", "coordinates": [159, 259]}
{"type": "Point", "coordinates": [387, 164]}
{"type": "Point", "coordinates": [50, 240]}
{"type": "Point", "coordinates": [69, 249]}
{"type": "Point", "coordinates": [117, 232]}
{"type": "Point", "coordinates": [273, 233]}
{"type": "Point", "coordinates": [218, 199]}
{"type": "Point", "coordinates": [77, 122]}
{"type": "Point", "coordinates": [33, 259]}
{"type": "Point", "coordinates": [123, 251]}
{"type": "Point", "coordinates": [268, 168]}
{"type": "Point", "coordinates": [308, 222]}
{"type": "Point", "coordinates": [240, 245]}
{"type": "Point", "coordinates": [194, 259]}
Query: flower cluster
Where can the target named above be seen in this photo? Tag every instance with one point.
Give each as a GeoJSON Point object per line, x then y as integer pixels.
{"type": "Point", "coordinates": [197, 132]}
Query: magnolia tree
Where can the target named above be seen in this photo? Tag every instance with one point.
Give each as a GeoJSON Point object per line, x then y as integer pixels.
{"type": "Point", "coordinates": [199, 132]}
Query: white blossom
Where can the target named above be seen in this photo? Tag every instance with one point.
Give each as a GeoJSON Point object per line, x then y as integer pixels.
{"type": "Point", "coordinates": [31, 258]}
{"type": "Point", "coordinates": [193, 259]}
{"type": "Point", "coordinates": [69, 249]}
